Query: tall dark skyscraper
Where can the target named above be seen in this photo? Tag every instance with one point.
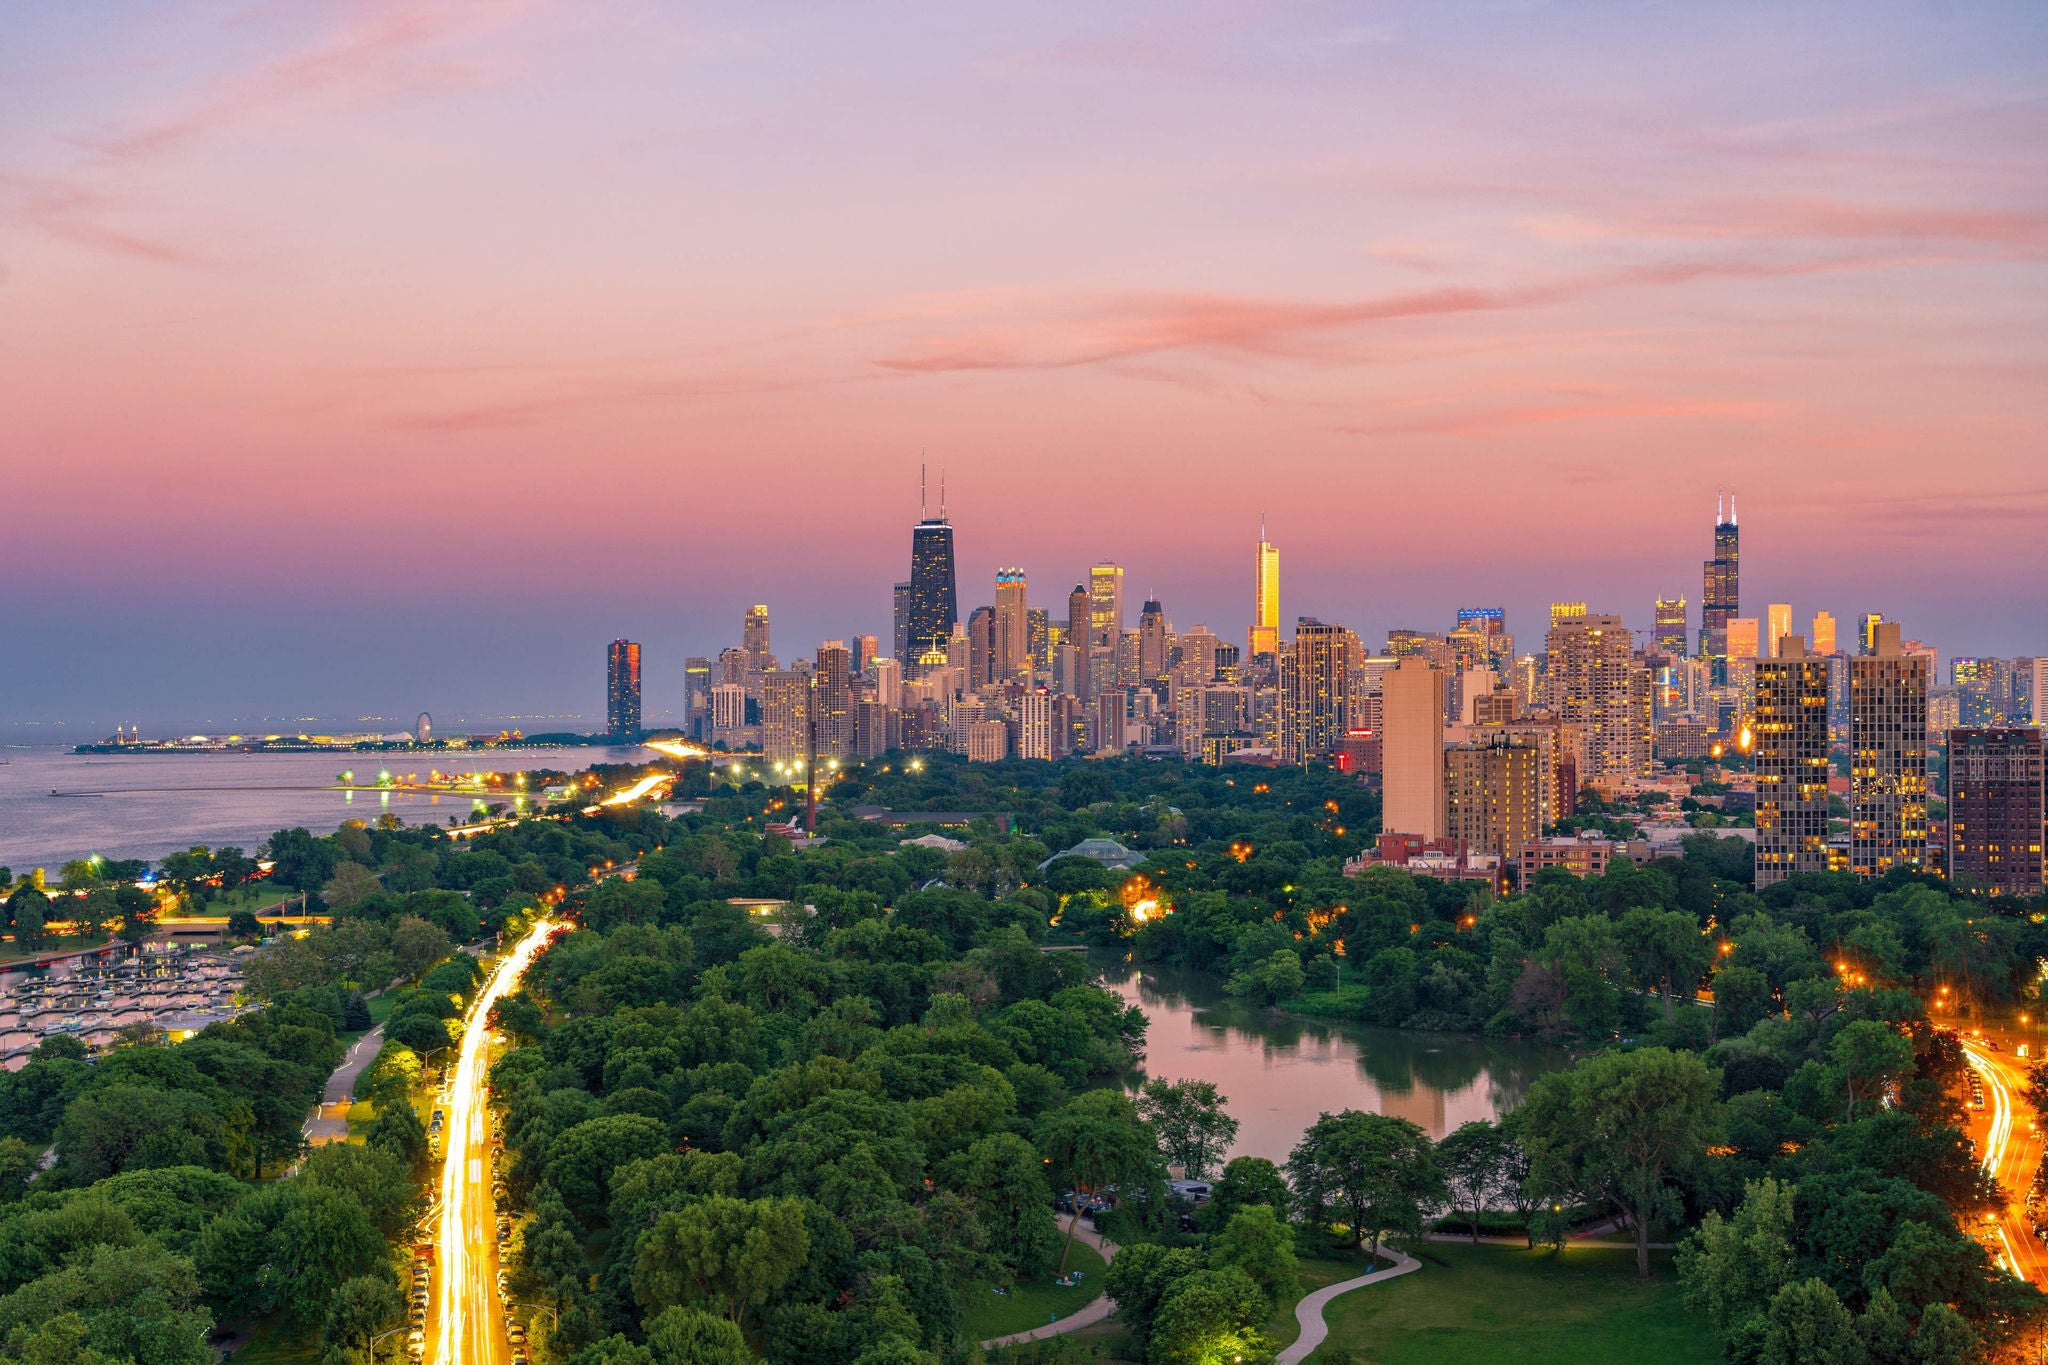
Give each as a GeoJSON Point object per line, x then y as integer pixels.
{"type": "Point", "coordinates": [933, 606]}
{"type": "Point", "coordinates": [1721, 597]}
{"type": "Point", "coordinates": [622, 689]}
{"type": "Point", "coordinates": [1995, 808]}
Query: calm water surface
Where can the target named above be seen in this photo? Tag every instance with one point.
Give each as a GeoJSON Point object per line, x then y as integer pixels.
{"type": "Point", "coordinates": [147, 805]}
{"type": "Point", "coordinates": [1281, 1071]}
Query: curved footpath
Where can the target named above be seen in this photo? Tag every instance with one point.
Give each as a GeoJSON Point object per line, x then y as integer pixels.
{"type": "Point", "coordinates": [1309, 1312]}
{"type": "Point", "coordinates": [1089, 1313]}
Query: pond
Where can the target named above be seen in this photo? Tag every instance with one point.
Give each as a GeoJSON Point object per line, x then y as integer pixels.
{"type": "Point", "coordinates": [1280, 1071]}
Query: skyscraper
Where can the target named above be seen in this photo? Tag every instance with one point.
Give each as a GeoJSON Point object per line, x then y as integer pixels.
{"type": "Point", "coordinates": [865, 650]}
{"type": "Point", "coordinates": [933, 607]}
{"type": "Point", "coordinates": [785, 716]}
{"type": "Point", "coordinates": [1012, 626]}
{"type": "Point", "coordinates": [1314, 719]}
{"type": "Point", "coordinates": [1412, 748]}
{"type": "Point", "coordinates": [622, 690]}
{"type": "Point", "coordinates": [1670, 630]}
{"type": "Point", "coordinates": [1596, 681]}
{"type": "Point", "coordinates": [1080, 634]}
{"type": "Point", "coordinates": [1888, 756]}
{"type": "Point", "coordinates": [1823, 633]}
{"type": "Point", "coordinates": [900, 619]}
{"type": "Point", "coordinates": [1105, 604]}
{"type": "Point", "coordinates": [981, 647]}
{"type": "Point", "coordinates": [1790, 722]}
{"type": "Point", "coordinates": [1722, 595]}
{"type": "Point", "coordinates": [1777, 625]}
{"type": "Point", "coordinates": [1264, 637]}
{"type": "Point", "coordinates": [697, 682]}
{"type": "Point", "coordinates": [1151, 642]}
{"type": "Point", "coordinates": [1034, 725]}
{"type": "Point", "coordinates": [754, 638]}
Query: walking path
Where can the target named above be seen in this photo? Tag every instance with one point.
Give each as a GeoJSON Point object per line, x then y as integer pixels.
{"type": "Point", "coordinates": [329, 1120]}
{"type": "Point", "coordinates": [1309, 1312]}
{"type": "Point", "coordinates": [1088, 1314]}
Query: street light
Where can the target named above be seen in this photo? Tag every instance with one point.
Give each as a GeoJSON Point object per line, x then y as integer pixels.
{"type": "Point", "coordinates": [380, 1336]}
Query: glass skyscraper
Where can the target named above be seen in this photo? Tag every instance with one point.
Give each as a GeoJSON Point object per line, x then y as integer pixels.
{"type": "Point", "coordinates": [1721, 599]}
{"type": "Point", "coordinates": [622, 690]}
{"type": "Point", "coordinates": [932, 606]}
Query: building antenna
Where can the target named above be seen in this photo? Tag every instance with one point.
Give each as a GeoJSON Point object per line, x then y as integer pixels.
{"type": "Point", "coordinates": [921, 507]}
{"type": "Point", "coordinates": [1731, 511]}
{"type": "Point", "coordinates": [1720, 515]}
{"type": "Point", "coordinates": [942, 495]}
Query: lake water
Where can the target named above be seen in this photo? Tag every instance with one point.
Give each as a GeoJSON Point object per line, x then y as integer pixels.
{"type": "Point", "coordinates": [147, 805]}
{"type": "Point", "coordinates": [1280, 1071]}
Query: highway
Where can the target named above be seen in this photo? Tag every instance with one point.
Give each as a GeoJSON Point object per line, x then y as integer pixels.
{"type": "Point", "coordinates": [467, 1317]}
{"type": "Point", "coordinates": [2009, 1142]}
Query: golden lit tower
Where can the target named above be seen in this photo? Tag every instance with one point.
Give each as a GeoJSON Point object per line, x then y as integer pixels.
{"type": "Point", "coordinates": [1777, 625]}
{"type": "Point", "coordinates": [1790, 721]}
{"type": "Point", "coordinates": [1823, 633]}
{"type": "Point", "coordinates": [1888, 756]}
{"type": "Point", "coordinates": [1265, 631]}
{"type": "Point", "coordinates": [1670, 631]}
{"type": "Point", "coordinates": [1012, 626]}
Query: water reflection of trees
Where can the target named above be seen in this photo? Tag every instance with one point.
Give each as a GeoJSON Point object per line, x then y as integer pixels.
{"type": "Point", "coordinates": [1396, 1061]}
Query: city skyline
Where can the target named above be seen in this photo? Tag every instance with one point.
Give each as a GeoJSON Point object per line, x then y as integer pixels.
{"type": "Point", "coordinates": [322, 424]}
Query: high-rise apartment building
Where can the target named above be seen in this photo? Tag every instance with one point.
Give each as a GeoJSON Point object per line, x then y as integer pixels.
{"type": "Point", "coordinates": [754, 638]}
{"type": "Point", "coordinates": [1995, 809]}
{"type": "Point", "coordinates": [1412, 749]}
{"type": "Point", "coordinates": [1596, 681]}
{"type": "Point", "coordinates": [866, 649]}
{"type": "Point", "coordinates": [728, 714]}
{"type": "Point", "coordinates": [622, 690]}
{"type": "Point", "coordinates": [2037, 694]}
{"type": "Point", "coordinates": [1790, 723]}
{"type": "Point", "coordinates": [1264, 637]}
{"type": "Point", "coordinates": [1313, 718]}
{"type": "Point", "coordinates": [889, 682]}
{"type": "Point", "coordinates": [1823, 633]}
{"type": "Point", "coordinates": [1036, 733]}
{"type": "Point", "coordinates": [1492, 794]}
{"type": "Point", "coordinates": [832, 701]}
{"type": "Point", "coordinates": [1040, 635]}
{"type": "Point", "coordinates": [785, 716]}
{"type": "Point", "coordinates": [1012, 626]}
{"type": "Point", "coordinates": [1669, 635]}
{"type": "Point", "coordinates": [1888, 756]}
{"type": "Point", "coordinates": [1777, 625]}
{"type": "Point", "coordinates": [1721, 595]}
{"type": "Point", "coordinates": [1871, 621]}
{"type": "Point", "coordinates": [933, 608]}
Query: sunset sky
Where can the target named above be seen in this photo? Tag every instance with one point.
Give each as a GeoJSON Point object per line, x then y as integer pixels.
{"type": "Point", "coordinates": [360, 358]}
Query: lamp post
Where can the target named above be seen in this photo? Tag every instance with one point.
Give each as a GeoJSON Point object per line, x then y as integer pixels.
{"type": "Point", "coordinates": [380, 1336]}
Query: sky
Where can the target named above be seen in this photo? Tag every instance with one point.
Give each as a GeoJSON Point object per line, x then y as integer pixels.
{"type": "Point", "coordinates": [362, 358]}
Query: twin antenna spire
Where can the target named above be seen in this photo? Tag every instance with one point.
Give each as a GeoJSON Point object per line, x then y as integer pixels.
{"type": "Point", "coordinates": [923, 506]}
{"type": "Point", "coordinates": [1724, 517]}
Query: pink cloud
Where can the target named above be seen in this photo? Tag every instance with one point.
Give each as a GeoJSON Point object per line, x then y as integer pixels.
{"type": "Point", "coordinates": [1506, 419]}
{"type": "Point", "coordinates": [1802, 219]}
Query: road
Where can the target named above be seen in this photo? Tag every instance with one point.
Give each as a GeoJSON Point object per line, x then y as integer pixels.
{"type": "Point", "coordinates": [2009, 1141]}
{"type": "Point", "coordinates": [329, 1120]}
{"type": "Point", "coordinates": [467, 1319]}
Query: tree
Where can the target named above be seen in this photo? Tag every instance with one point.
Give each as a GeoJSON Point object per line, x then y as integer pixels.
{"type": "Point", "coordinates": [1373, 1171]}
{"type": "Point", "coordinates": [1140, 1278]}
{"type": "Point", "coordinates": [1732, 1268]}
{"type": "Point", "coordinates": [1094, 1141]}
{"type": "Point", "coordinates": [1664, 948]}
{"type": "Point", "coordinates": [299, 860]}
{"type": "Point", "coordinates": [1257, 1242]}
{"type": "Point", "coordinates": [29, 919]}
{"type": "Point", "coordinates": [416, 946]}
{"type": "Point", "coordinates": [1742, 996]}
{"type": "Point", "coordinates": [125, 1304]}
{"type": "Point", "coordinates": [1278, 978]}
{"type": "Point", "coordinates": [1004, 1176]}
{"type": "Point", "coordinates": [244, 925]}
{"type": "Point", "coordinates": [362, 1307]}
{"type": "Point", "coordinates": [688, 1336]}
{"type": "Point", "coordinates": [1871, 1058]}
{"type": "Point", "coordinates": [729, 1252]}
{"type": "Point", "coordinates": [1209, 1316]}
{"type": "Point", "coordinates": [1806, 1324]}
{"type": "Point", "coordinates": [18, 1165]}
{"type": "Point", "coordinates": [349, 887]}
{"type": "Point", "coordinates": [1193, 1129]}
{"type": "Point", "coordinates": [1618, 1125]}
{"type": "Point", "coordinates": [1474, 1159]}
{"type": "Point", "coordinates": [322, 1243]}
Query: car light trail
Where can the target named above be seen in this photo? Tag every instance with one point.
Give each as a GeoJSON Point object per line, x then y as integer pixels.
{"type": "Point", "coordinates": [637, 790]}
{"type": "Point", "coordinates": [468, 1330]}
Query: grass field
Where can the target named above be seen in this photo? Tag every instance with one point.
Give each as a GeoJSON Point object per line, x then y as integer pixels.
{"type": "Point", "coordinates": [1313, 1273]}
{"type": "Point", "coordinates": [1486, 1304]}
{"type": "Point", "coordinates": [989, 1314]}
{"type": "Point", "coordinates": [272, 1343]}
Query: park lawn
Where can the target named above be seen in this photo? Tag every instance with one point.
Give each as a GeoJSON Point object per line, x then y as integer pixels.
{"type": "Point", "coordinates": [1480, 1305]}
{"type": "Point", "coordinates": [380, 1006]}
{"type": "Point", "coordinates": [1313, 1272]}
{"type": "Point", "coordinates": [989, 1314]}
